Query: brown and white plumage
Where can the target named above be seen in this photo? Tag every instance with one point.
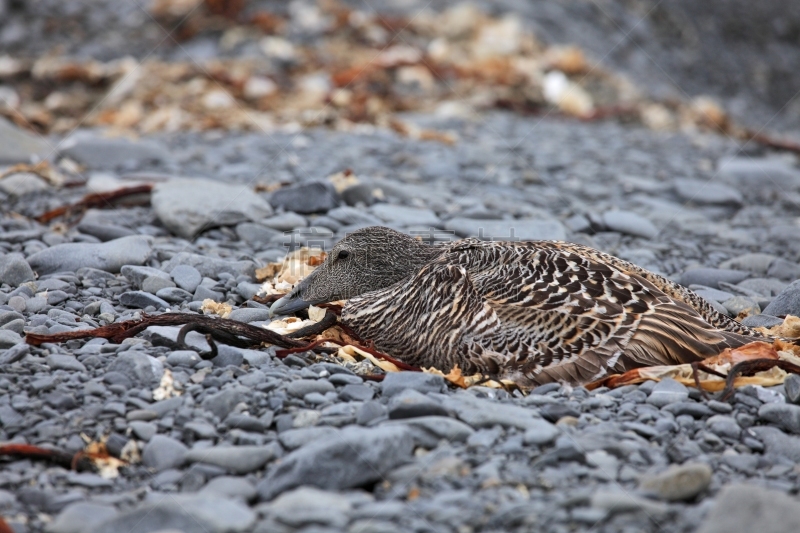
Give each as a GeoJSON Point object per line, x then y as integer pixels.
{"type": "Point", "coordinates": [533, 312]}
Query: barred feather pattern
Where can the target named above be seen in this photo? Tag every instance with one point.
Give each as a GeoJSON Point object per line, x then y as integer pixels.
{"type": "Point", "coordinates": [537, 312]}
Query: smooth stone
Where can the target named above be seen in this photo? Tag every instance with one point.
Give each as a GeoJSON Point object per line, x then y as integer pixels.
{"type": "Point", "coordinates": [60, 361]}
{"type": "Point", "coordinates": [792, 388]}
{"type": "Point", "coordinates": [187, 206]}
{"type": "Point", "coordinates": [20, 184]}
{"type": "Point", "coordinates": [778, 443]}
{"type": "Point", "coordinates": [667, 391]}
{"type": "Point", "coordinates": [186, 277]}
{"type": "Point", "coordinates": [187, 513]}
{"type": "Point", "coordinates": [757, 263]}
{"type": "Point", "coordinates": [306, 198]}
{"type": "Point", "coordinates": [19, 146]}
{"type": "Point", "coordinates": [136, 274]}
{"type": "Point", "coordinates": [301, 387]}
{"type": "Point", "coordinates": [761, 321]}
{"type": "Point", "coordinates": [9, 338]}
{"type": "Point", "coordinates": [747, 507]}
{"type": "Point", "coordinates": [138, 367]}
{"type": "Point", "coordinates": [223, 402]}
{"type": "Point", "coordinates": [614, 501]}
{"type": "Point", "coordinates": [162, 452]}
{"type": "Point", "coordinates": [143, 430]}
{"type": "Point", "coordinates": [787, 302]}
{"type": "Point", "coordinates": [14, 270]}
{"type": "Point", "coordinates": [707, 192]}
{"type": "Point", "coordinates": [108, 256]}
{"type": "Point", "coordinates": [713, 295]}
{"type": "Point", "coordinates": [508, 230]}
{"type": "Point", "coordinates": [249, 314]}
{"type": "Point", "coordinates": [142, 300]}
{"type": "Point", "coordinates": [187, 358]}
{"type": "Point", "coordinates": [110, 153]}
{"type": "Point", "coordinates": [153, 284]}
{"type": "Point", "coordinates": [174, 295]}
{"type": "Point", "coordinates": [405, 215]}
{"type": "Point", "coordinates": [238, 460]}
{"type": "Point", "coordinates": [357, 392]}
{"type": "Point", "coordinates": [784, 415]}
{"type": "Point", "coordinates": [230, 487]}
{"type": "Point", "coordinates": [541, 432]}
{"type": "Point", "coordinates": [396, 382]}
{"type": "Point", "coordinates": [209, 267]}
{"type": "Point", "coordinates": [679, 483]}
{"type": "Point", "coordinates": [286, 221]}
{"type": "Point", "coordinates": [429, 431]}
{"type": "Point", "coordinates": [630, 223]}
{"type": "Point", "coordinates": [310, 506]}
{"type": "Point", "coordinates": [484, 413]}
{"type": "Point", "coordinates": [784, 270]}
{"type": "Point", "coordinates": [14, 353]}
{"type": "Point", "coordinates": [711, 277]}
{"type": "Point", "coordinates": [81, 517]}
{"type": "Point", "coordinates": [741, 304]}
{"type": "Point", "coordinates": [347, 216]}
{"type": "Point", "coordinates": [357, 457]}
{"type": "Point", "coordinates": [291, 439]}
{"type": "Point", "coordinates": [254, 234]}
{"type": "Point", "coordinates": [759, 171]}
{"type": "Point", "coordinates": [410, 404]}
{"type": "Point", "coordinates": [104, 232]}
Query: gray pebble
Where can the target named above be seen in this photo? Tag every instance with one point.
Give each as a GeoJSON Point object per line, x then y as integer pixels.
{"type": "Point", "coordinates": [306, 198]}
{"type": "Point", "coordinates": [667, 391]}
{"type": "Point", "coordinates": [410, 404]}
{"type": "Point", "coordinates": [142, 300]}
{"type": "Point", "coordinates": [108, 256]}
{"type": "Point", "coordinates": [396, 382]}
{"type": "Point", "coordinates": [711, 277]}
{"type": "Point", "coordinates": [14, 270]}
{"type": "Point", "coordinates": [786, 416]}
{"type": "Point", "coordinates": [235, 459]}
{"type": "Point", "coordinates": [60, 361]}
{"type": "Point", "coordinates": [787, 302]}
{"type": "Point", "coordinates": [630, 223]}
{"type": "Point", "coordinates": [162, 452]}
{"type": "Point", "coordinates": [80, 517]}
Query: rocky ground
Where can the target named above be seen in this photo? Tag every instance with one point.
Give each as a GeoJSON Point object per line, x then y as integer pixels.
{"type": "Point", "coordinates": [250, 442]}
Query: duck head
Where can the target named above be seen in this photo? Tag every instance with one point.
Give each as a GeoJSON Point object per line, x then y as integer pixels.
{"type": "Point", "coordinates": [365, 260]}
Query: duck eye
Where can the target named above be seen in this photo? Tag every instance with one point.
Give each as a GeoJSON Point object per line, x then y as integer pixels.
{"type": "Point", "coordinates": [343, 254]}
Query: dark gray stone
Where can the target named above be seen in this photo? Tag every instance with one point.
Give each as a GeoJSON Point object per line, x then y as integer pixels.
{"type": "Point", "coordinates": [136, 274]}
{"type": "Point", "coordinates": [9, 338]}
{"type": "Point", "coordinates": [301, 387]}
{"type": "Point", "coordinates": [508, 230]}
{"type": "Point", "coordinates": [410, 403]}
{"type": "Point", "coordinates": [188, 206]}
{"type": "Point", "coordinates": [238, 460]}
{"type": "Point", "coordinates": [14, 270]}
{"type": "Point", "coordinates": [210, 267]}
{"type": "Point", "coordinates": [162, 452]}
{"type": "Point", "coordinates": [761, 321]}
{"type": "Point", "coordinates": [111, 153]}
{"type": "Point", "coordinates": [81, 517]}
{"type": "Point", "coordinates": [256, 235]}
{"type": "Point", "coordinates": [711, 277]}
{"type": "Point", "coordinates": [396, 382]}
{"type": "Point", "coordinates": [787, 302]}
{"type": "Point", "coordinates": [630, 223]}
{"type": "Point", "coordinates": [785, 416]}
{"type": "Point", "coordinates": [792, 387]}
{"type": "Point", "coordinates": [357, 456]}
{"type": "Point", "coordinates": [356, 392]}
{"type": "Point", "coordinates": [757, 263]}
{"type": "Point", "coordinates": [667, 391]}
{"type": "Point", "coordinates": [402, 215]}
{"type": "Point", "coordinates": [778, 443]}
{"type": "Point", "coordinates": [108, 256]}
{"type": "Point", "coordinates": [249, 314]}
{"type": "Point", "coordinates": [746, 507]}
{"type": "Point", "coordinates": [186, 277]}
{"type": "Point", "coordinates": [707, 192]}
{"type": "Point", "coordinates": [142, 300]}
{"type": "Point", "coordinates": [223, 402]}
{"type": "Point", "coordinates": [306, 198]}
{"type": "Point", "coordinates": [188, 513]}
{"type": "Point", "coordinates": [138, 367]}
{"type": "Point", "coordinates": [61, 361]}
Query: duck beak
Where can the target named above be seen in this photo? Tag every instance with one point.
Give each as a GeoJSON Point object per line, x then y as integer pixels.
{"type": "Point", "coordinates": [293, 301]}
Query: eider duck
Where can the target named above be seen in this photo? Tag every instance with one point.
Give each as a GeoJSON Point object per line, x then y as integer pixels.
{"type": "Point", "coordinates": [532, 312]}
